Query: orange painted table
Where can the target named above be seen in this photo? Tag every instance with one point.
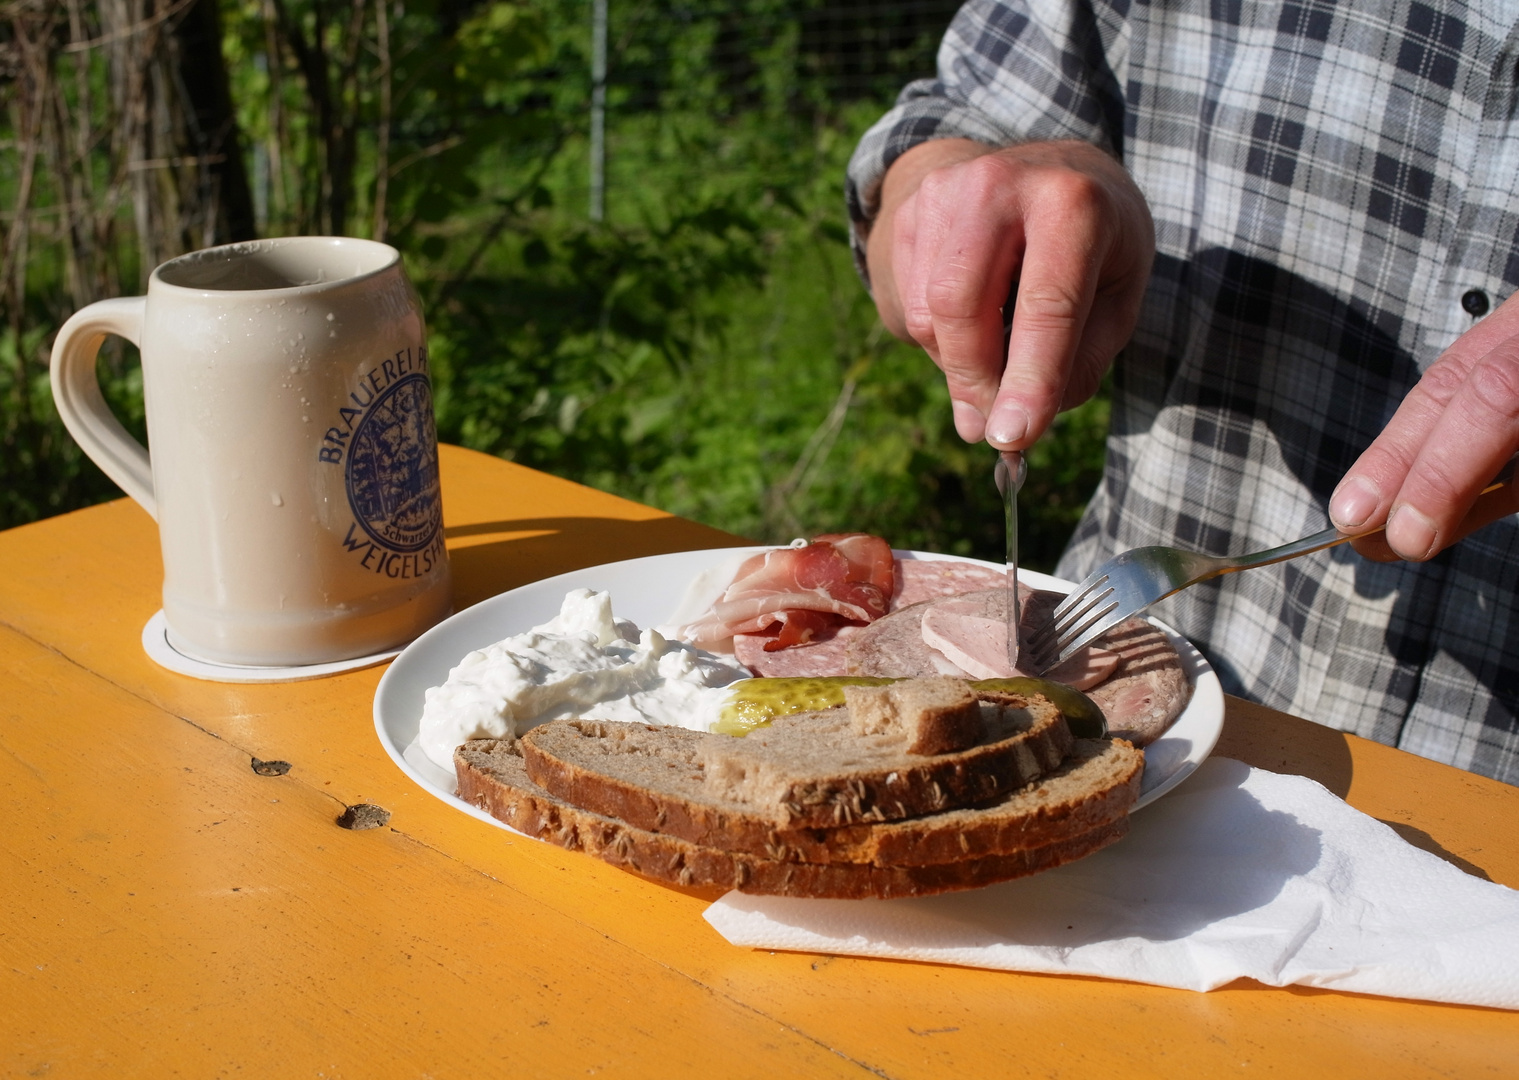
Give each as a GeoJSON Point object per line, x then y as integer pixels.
{"type": "Point", "coordinates": [166, 911]}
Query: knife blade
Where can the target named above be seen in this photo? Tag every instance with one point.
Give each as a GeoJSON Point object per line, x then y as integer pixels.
{"type": "Point", "coordinates": [1009, 473]}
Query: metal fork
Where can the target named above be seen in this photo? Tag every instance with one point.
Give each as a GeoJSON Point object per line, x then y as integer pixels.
{"type": "Point", "coordinates": [1131, 581]}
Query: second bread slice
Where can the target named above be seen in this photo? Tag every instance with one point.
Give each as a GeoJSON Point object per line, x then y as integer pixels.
{"type": "Point", "coordinates": [805, 771]}
{"type": "Point", "coordinates": [492, 777]}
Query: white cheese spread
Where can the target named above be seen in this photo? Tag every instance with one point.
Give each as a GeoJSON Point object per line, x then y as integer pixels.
{"type": "Point", "coordinates": [583, 662]}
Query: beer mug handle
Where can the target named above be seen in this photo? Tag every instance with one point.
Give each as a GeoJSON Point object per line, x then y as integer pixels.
{"type": "Point", "coordinates": [76, 393]}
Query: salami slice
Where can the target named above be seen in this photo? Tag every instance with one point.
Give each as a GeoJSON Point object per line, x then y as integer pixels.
{"type": "Point", "coordinates": [826, 657]}
{"type": "Point", "coordinates": [924, 579]}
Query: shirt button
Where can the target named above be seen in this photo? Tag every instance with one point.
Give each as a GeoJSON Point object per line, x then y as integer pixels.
{"type": "Point", "coordinates": [1475, 303]}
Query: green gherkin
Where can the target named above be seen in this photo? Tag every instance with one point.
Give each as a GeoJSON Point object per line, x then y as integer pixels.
{"type": "Point", "coordinates": [756, 702]}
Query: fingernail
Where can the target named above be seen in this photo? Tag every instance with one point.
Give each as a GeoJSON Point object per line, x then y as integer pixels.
{"type": "Point", "coordinates": [1410, 533]}
{"type": "Point", "coordinates": [969, 423]}
{"type": "Point", "coordinates": [1355, 500]}
{"type": "Point", "coordinates": [1007, 424]}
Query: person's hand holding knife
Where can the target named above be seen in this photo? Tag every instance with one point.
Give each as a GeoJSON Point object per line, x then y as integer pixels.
{"type": "Point", "coordinates": [960, 222]}
{"type": "Point", "coordinates": [962, 226]}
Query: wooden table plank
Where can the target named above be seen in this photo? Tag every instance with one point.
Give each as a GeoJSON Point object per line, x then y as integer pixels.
{"type": "Point", "coordinates": [158, 886]}
{"type": "Point", "coordinates": [165, 915]}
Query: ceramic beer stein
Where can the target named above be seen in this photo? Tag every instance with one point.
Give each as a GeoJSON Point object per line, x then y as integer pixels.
{"type": "Point", "coordinates": [294, 460]}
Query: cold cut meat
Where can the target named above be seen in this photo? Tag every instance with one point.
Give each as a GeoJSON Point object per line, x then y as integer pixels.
{"type": "Point", "coordinates": [924, 579]}
{"type": "Point", "coordinates": [824, 653]}
{"type": "Point", "coordinates": [800, 594]}
{"type": "Point", "coordinates": [963, 631]}
{"type": "Point", "coordinates": [1147, 690]}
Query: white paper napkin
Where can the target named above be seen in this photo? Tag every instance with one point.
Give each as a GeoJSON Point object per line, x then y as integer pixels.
{"type": "Point", "coordinates": [1237, 873]}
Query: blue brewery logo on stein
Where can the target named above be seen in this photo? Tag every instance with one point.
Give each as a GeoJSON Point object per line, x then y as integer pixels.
{"type": "Point", "coordinates": [387, 444]}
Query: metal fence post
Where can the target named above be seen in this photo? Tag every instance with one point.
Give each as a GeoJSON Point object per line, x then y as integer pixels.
{"type": "Point", "coordinates": [598, 108]}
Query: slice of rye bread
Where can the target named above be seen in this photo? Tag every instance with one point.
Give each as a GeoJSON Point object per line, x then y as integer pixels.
{"type": "Point", "coordinates": [932, 716]}
{"type": "Point", "coordinates": [808, 770]}
{"type": "Point", "coordinates": [493, 777]}
{"type": "Point", "coordinates": [1096, 784]}
{"type": "Point", "coordinates": [1147, 691]}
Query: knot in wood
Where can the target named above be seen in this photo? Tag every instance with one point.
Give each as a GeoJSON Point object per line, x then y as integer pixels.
{"type": "Point", "coordinates": [364, 816]}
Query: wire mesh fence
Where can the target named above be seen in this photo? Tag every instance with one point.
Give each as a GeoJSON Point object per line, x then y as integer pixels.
{"type": "Point", "coordinates": [839, 51]}
{"type": "Point", "coordinates": [806, 59]}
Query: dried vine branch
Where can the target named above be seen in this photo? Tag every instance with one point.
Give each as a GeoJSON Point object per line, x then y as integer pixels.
{"type": "Point", "coordinates": [126, 154]}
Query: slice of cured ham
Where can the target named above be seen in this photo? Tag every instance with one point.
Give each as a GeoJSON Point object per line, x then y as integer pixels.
{"type": "Point", "coordinates": [915, 581]}
{"type": "Point", "coordinates": [824, 654]}
{"type": "Point", "coordinates": [799, 627]}
{"type": "Point", "coordinates": [870, 558]}
{"type": "Point", "coordinates": [806, 591]}
{"type": "Point", "coordinates": [960, 631]}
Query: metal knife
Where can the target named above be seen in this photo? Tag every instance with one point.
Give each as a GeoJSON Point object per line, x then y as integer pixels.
{"type": "Point", "coordinates": [1010, 472]}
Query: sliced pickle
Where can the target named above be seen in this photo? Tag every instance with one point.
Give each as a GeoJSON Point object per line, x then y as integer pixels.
{"type": "Point", "coordinates": [756, 702]}
{"type": "Point", "coordinates": [1081, 712]}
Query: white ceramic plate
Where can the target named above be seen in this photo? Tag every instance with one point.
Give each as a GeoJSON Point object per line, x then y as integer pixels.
{"type": "Point", "coordinates": [651, 592]}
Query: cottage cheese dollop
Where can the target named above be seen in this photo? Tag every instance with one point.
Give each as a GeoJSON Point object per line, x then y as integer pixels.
{"type": "Point", "coordinates": [583, 662]}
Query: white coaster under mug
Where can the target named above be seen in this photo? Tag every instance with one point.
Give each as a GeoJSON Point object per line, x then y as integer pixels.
{"type": "Point", "coordinates": [156, 643]}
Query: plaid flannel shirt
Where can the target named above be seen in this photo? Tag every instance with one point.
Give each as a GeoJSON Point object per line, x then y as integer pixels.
{"type": "Point", "coordinates": [1333, 187]}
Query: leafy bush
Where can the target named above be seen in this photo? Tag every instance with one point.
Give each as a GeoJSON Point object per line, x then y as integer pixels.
{"type": "Point", "coordinates": [706, 348]}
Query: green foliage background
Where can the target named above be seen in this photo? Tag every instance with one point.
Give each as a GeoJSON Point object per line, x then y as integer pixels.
{"type": "Point", "coordinates": [707, 348]}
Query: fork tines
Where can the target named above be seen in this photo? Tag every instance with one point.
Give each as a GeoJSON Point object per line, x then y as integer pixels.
{"type": "Point", "coordinates": [1079, 619]}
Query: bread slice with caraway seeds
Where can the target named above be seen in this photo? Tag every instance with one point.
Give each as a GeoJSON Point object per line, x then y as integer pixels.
{"type": "Point", "coordinates": [808, 770]}
{"type": "Point", "coordinates": [1078, 809]}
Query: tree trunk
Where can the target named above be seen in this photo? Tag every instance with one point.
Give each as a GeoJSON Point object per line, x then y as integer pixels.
{"type": "Point", "coordinates": [212, 123]}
